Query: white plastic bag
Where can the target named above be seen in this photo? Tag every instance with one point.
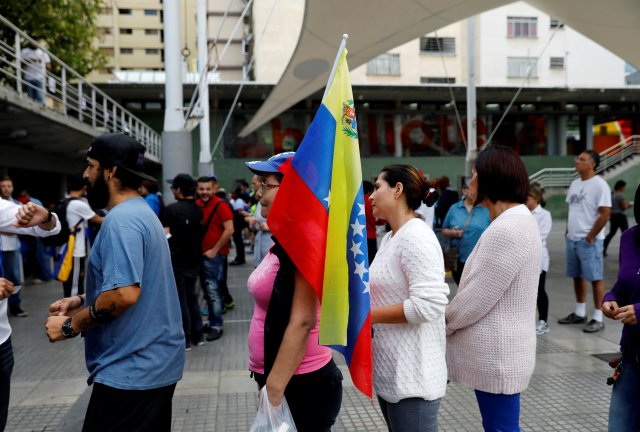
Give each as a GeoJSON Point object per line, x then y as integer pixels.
{"type": "Point", "coordinates": [270, 418]}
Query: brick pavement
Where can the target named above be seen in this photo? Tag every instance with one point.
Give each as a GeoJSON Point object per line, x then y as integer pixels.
{"type": "Point", "coordinates": [567, 392]}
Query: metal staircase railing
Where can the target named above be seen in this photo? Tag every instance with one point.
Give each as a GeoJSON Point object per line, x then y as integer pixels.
{"type": "Point", "coordinates": [69, 94]}
{"type": "Point", "coordinates": [549, 178]}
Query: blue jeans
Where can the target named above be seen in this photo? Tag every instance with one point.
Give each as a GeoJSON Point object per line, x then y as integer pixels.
{"type": "Point", "coordinates": [35, 90]}
{"type": "Point", "coordinates": [6, 367]}
{"type": "Point", "coordinates": [500, 412]}
{"type": "Point", "coordinates": [11, 263]}
{"type": "Point", "coordinates": [411, 414]}
{"type": "Point", "coordinates": [624, 415]}
{"type": "Point", "coordinates": [584, 260]}
{"type": "Point", "coordinates": [212, 276]}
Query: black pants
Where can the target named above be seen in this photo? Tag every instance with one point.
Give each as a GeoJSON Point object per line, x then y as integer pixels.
{"type": "Point", "coordinates": [314, 398]}
{"type": "Point", "coordinates": [6, 367]}
{"type": "Point", "coordinates": [618, 220]}
{"type": "Point", "coordinates": [115, 410]}
{"type": "Point", "coordinates": [191, 319]}
{"type": "Point", "coordinates": [458, 273]}
{"type": "Point", "coordinates": [238, 226]}
{"type": "Point", "coordinates": [543, 298]}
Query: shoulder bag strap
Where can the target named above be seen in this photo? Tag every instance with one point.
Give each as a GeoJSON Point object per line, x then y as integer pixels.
{"type": "Point", "coordinates": [213, 212]}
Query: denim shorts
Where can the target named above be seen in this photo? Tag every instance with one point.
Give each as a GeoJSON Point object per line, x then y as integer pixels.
{"type": "Point", "coordinates": [584, 260]}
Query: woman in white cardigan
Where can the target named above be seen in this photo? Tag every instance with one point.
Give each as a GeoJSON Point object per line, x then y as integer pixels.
{"type": "Point", "coordinates": [491, 340]}
{"type": "Point", "coordinates": [408, 299]}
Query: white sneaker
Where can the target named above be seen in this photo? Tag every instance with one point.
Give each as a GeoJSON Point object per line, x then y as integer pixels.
{"type": "Point", "coordinates": [542, 327]}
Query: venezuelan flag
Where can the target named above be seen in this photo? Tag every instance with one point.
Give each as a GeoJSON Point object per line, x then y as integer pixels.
{"type": "Point", "coordinates": [64, 265]}
{"type": "Point", "coordinates": [318, 217]}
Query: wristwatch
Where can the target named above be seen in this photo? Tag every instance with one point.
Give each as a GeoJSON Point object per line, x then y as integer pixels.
{"type": "Point", "coordinates": [67, 329]}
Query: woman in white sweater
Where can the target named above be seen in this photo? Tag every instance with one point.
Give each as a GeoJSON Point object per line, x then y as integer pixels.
{"type": "Point", "coordinates": [491, 340]}
{"type": "Point", "coordinates": [408, 299]}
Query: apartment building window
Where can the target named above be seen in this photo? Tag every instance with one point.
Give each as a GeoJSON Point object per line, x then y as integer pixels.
{"type": "Point", "coordinates": [149, 32]}
{"type": "Point", "coordinates": [125, 11]}
{"type": "Point", "coordinates": [556, 23]}
{"type": "Point", "coordinates": [151, 12]}
{"type": "Point", "coordinates": [106, 11]}
{"type": "Point", "coordinates": [126, 50]}
{"type": "Point", "coordinates": [556, 62]}
{"type": "Point", "coordinates": [437, 80]}
{"type": "Point", "coordinates": [432, 45]}
{"type": "Point", "coordinates": [522, 27]}
{"type": "Point", "coordinates": [385, 64]}
{"type": "Point", "coordinates": [126, 31]}
{"type": "Point", "coordinates": [152, 51]}
{"type": "Point", "coordinates": [107, 51]}
{"type": "Point", "coordinates": [104, 31]}
{"type": "Point", "coordinates": [518, 67]}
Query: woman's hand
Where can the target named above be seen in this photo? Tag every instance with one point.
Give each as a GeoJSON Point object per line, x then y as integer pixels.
{"type": "Point", "coordinates": [610, 309]}
{"type": "Point", "coordinates": [626, 315]}
{"type": "Point", "coordinates": [275, 395]}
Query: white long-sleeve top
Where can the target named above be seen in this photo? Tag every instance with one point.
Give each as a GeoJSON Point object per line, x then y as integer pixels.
{"type": "Point", "coordinates": [409, 359]}
{"type": "Point", "coordinates": [8, 211]}
{"type": "Point", "coordinates": [491, 340]}
{"type": "Point", "coordinates": [543, 217]}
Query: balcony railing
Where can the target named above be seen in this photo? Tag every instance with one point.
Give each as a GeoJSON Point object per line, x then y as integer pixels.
{"type": "Point", "coordinates": [69, 94]}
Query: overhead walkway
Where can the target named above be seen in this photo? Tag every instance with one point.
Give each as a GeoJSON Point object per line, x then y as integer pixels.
{"type": "Point", "coordinates": [54, 136]}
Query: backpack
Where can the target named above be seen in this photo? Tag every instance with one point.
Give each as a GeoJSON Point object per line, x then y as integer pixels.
{"type": "Point", "coordinates": [62, 237]}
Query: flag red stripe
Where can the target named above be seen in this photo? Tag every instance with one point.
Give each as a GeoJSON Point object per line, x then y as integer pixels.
{"type": "Point", "coordinates": [361, 362]}
{"type": "Point", "coordinates": [299, 222]}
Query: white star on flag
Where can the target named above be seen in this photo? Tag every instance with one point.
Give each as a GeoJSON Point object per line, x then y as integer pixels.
{"type": "Point", "coordinates": [361, 213]}
{"type": "Point", "coordinates": [367, 287]}
{"type": "Point", "coordinates": [355, 248]}
{"type": "Point", "coordinates": [360, 269]}
{"type": "Point", "coordinates": [358, 228]}
{"type": "Point", "coordinates": [328, 198]}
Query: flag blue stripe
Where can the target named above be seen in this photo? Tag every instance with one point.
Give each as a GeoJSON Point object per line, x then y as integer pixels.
{"type": "Point", "coordinates": [314, 158]}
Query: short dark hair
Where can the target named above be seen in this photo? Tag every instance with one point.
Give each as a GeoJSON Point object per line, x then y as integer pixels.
{"type": "Point", "coordinates": [502, 176]}
{"type": "Point", "coordinates": [619, 185]}
{"type": "Point", "coordinates": [367, 187]}
{"type": "Point", "coordinates": [6, 178]}
{"type": "Point", "coordinates": [595, 157]}
{"type": "Point", "coordinates": [205, 179]}
{"type": "Point", "coordinates": [128, 180]}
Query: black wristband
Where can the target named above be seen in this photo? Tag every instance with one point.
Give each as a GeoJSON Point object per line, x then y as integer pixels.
{"type": "Point", "coordinates": [49, 217]}
{"type": "Point", "coordinates": [81, 300]}
{"type": "Point", "coordinates": [100, 316]}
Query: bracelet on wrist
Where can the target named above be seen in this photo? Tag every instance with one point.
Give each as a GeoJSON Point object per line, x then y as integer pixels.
{"type": "Point", "coordinates": [81, 300]}
{"type": "Point", "coordinates": [49, 217]}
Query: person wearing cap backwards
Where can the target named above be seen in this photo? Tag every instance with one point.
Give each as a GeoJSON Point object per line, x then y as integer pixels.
{"type": "Point", "coordinates": [284, 353]}
{"type": "Point", "coordinates": [182, 221]}
{"type": "Point", "coordinates": [130, 314]}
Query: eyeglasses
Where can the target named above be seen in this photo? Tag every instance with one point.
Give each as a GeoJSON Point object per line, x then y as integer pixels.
{"type": "Point", "coordinates": [267, 186]}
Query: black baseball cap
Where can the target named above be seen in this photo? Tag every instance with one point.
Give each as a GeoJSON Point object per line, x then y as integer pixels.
{"type": "Point", "coordinates": [120, 150]}
{"type": "Point", "coordinates": [184, 182]}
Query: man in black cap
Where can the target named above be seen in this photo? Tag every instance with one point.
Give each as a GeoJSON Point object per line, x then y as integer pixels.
{"type": "Point", "coordinates": [182, 221]}
{"type": "Point", "coordinates": [130, 314]}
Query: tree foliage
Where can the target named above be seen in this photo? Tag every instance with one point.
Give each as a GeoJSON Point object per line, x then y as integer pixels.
{"type": "Point", "coordinates": [69, 28]}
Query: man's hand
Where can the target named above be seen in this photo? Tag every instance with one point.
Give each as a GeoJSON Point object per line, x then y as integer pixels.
{"type": "Point", "coordinates": [66, 307]}
{"type": "Point", "coordinates": [610, 309]}
{"type": "Point", "coordinates": [588, 239]}
{"type": "Point", "coordinates": [6, 288]}
{"type": "Point", "coordinates": [30, 215]}
{"type": "Point", "coordinates": [54, 328]}
{"type": "Point", "coordinates": [626, 315]}
{"type": "Point", "coordinates": [211, 253]}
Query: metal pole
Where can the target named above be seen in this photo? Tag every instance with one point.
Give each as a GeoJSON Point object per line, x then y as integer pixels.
{"type": "Point", "coordinates": [343, 44]}
{"type": "Point", "coordinates": [18, 65]}
{"type": "Point", "coordinates": [80, 101]}
{"type": "Point", "coordinates": [472, 143]}
{"type": "Point", "coordinates": [64, 90]}
{"type": "Point", "coordinates": [205, 166]}
{"type": "Point", "coordinates": [93, 108]}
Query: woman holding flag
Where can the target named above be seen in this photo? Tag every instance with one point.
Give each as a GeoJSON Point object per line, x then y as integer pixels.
{"type": "Point", "coordinates": [284, 353]}
{"type": "Point", "coordinates": [408, 299]}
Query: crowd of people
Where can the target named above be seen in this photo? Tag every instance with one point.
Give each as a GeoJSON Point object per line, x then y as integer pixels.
{"type": "Point", "coordinates": [131, 287]}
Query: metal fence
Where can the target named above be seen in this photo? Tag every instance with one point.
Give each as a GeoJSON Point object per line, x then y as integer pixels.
{"type": "Point", "coordinates": [562, 177]}
{"type": "Point", "coordinates": [67, 92]}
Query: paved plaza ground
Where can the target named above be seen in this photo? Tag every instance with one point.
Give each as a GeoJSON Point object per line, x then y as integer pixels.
{"type": "Point", "coordinates": [567, 392]}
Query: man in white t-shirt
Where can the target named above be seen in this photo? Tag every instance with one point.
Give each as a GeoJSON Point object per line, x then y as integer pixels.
{"type": "Point", "coordinates": [36, 62]}
{"type": "Point", "coordinates": [78, 214]}
{"type": "Point", "coordinates": [589, 200]}
{"type": "Point", "coordinates": [11, 256]}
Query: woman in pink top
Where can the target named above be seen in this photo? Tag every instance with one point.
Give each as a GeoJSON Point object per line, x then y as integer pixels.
{"type": "Point", "coordinates": [284, 353]}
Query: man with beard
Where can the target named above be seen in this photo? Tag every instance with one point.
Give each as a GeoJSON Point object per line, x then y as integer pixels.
{"type": "Point", "coordinates": [130, 314]}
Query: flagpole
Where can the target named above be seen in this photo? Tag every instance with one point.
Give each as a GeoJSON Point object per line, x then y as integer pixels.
{"type": "Point", "coordinates": [343, 44]}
